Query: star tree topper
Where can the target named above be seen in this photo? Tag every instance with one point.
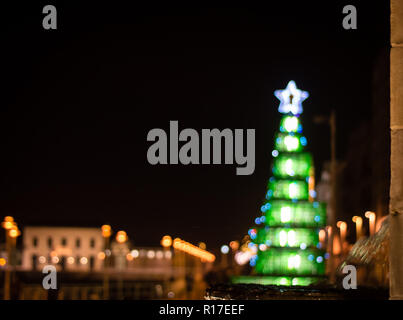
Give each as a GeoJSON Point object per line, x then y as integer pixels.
{"type": "Point", "coordinates": [291, 99]}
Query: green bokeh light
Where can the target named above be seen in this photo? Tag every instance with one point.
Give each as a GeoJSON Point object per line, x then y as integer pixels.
{"type": "Point", "coordinates": [288, 142]}
{"type": "Point", "coordinates": [288, 237]}
{"type": "Point", "coordinates": [278, 281]}
{"type": "Point", "coordinates": [289, 124]}
{"type": "Point", "coordinates": [285, 261]}
{"type": "Point", "coordinates": [296, 165]}
{"type": "Point", "coordinates": [300, 214]}
{"type": "Point", "coordinates": [289, 189]}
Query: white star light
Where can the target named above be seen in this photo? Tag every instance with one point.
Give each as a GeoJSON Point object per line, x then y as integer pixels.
{"type": "Point", "coordinates": [291, 99]}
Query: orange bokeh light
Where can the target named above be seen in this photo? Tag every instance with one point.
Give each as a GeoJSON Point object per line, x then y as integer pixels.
{"type": "Point", "coordinates": [121, 236]}
{"type": "Point", "coordinates": [106, 231]}
{"type": "Point", "coordinates": [193, 250]}
{"type": "Point", "coordinates": [166, 241]}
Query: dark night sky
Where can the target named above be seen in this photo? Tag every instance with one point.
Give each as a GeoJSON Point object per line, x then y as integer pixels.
{"type": "Point", "coordinates": [77, 104]}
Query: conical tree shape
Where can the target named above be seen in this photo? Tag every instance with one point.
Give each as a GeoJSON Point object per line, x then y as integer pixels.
{"type": "Point", "coordinates": [286, 237]}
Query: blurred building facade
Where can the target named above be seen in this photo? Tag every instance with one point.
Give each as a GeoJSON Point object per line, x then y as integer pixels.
{"type": "Point", "coordinates": [79, 255]}
{"type": "Point", "coordinates": [69, 248]}
{"type": "Point", "coordinates": [363, 183]}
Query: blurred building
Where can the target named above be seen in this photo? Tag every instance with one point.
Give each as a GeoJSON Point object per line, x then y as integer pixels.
{"type": "Point", "coordinates": [69, 248]}
{"type": "Point", "coordinates": [79, 255]}
{"type": "Point", "coordinates": [363, 182]}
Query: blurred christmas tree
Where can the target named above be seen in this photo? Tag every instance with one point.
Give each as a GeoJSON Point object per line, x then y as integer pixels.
{"type": "Point", "coordinates": [286, 238]}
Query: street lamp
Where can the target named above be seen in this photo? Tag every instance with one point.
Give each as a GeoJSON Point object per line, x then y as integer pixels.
{"type": "Point", "coordinates": [234, 245]}
{"type": "Point", "coordinates": [8, 222]}
{"type": "Point", "coordinates": [322, 237]}
{"type": "Point", "coordinates": [372, 217]}
{"type": "Point", "coordinates": [224, 249]}
{"type": "Point", "coordinates": [358, 226]}
{"type": "Point", "coordinates": [343, 231]}
{"type": "Point", "coordinates": [331, 121]}
{"type": "Point", "coordinates": [12, 232]}
{"type": "Point", "coordinates": [106, 231]}
{"type": "Point", "coordinates": [106, 234]}
{"type": "Point", "coordinates": [166, 241]}
{"type": "Point", "coordinates": [121, 237]}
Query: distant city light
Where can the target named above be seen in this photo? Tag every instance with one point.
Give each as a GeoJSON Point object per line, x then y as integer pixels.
{"type": "Point", "coordinates": [70, 260]}
{"type": "Point", "coordinates": [2, 262]}
{"type": "Point", "coordinates": [224, 249]}
{"type": "Point", "coordinates": [8, 222]}
{"type": "Point", "coordinates": [135, 253]}
{"type": "Point", "coordinates": [166, 241]}
{"type": "Point", "coordinates": [121, 237]}
{"type": "Point", "coordinates": [234, 245]}
{"type": "Point", "coordinates": [106, 230]}
{"type": "Point", "coordinates": [101, 256]}
{"type": "Point", "coordinates": [242, 257]}
{"type": "Point", "coordinates": [42, 259]}
{"type": "Point", "coordinates": [83, 260]}
{"type": "Point", "coordinates": [14, 232]}
{"type": "Point", "coordinates": [150, 254]}
{"type": "Point", "coordinates": [191, 249]}
{"type": "Point", "coordinates": [159, 254]}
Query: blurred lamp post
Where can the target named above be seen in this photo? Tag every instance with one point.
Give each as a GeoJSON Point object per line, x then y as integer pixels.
{"type": "Point", "coordinates": [372, 217]}
{"type": "Point", "coordinates": [358, 226]}
{"type": "Point", "coordinates": [224, 255]}
{"type": "Point", "coordinates": [121, 238]}
{"type": "Point", "coordinates": [234, 245]}
{"type": "Point", "coordinates": [322, 237]}
{"type": "Point", "coordinates": [166, 242]}
{"type": "Point", "coordinates": [12, 232]}
{"type": "Point", "coordinates": [106, 234]}
{"type": "Point", "coordinates": [343, 231]}
{"type": "Point", "coordinates": [202, 245]}
{"type": "Point", "coordinates": [331, 121]}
